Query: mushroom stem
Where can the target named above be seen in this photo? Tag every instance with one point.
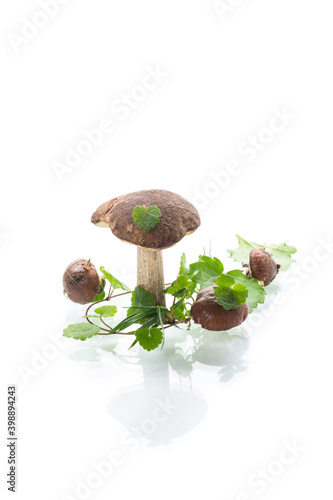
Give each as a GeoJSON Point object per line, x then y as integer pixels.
{"type": "Point", "coordinates": [150, 274]}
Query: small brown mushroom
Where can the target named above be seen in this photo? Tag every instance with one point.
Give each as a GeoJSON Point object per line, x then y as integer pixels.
{"type": "Point", "coordinates": [212, 316]}
{"type": "Point", "coordinates": [262, 266]}
{"type": "Point", "coordinates": [178, 218]}
{"type": "Point", "coordinates": [81, 282]}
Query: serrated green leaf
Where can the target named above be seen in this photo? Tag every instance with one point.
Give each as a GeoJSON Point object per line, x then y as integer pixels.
{"type": "Point", "coordinates": [231, 297]}
{"type": "Point", "coordinates": [146, 218]}
{"type": "Point", "coordinates": [281, 253]}
{"type": "Point", "coordinates": [149, 338]}
{"type": "Point", "coordinates": [183, 285]}
{"type": "Point", "coordinates": [140, 298]}
{"type": "Point", "coordinates": [180, 311]}
{"type": "Point", "coordinates": [256, 292]}
{"type": "Point", "coordinates": [225, 281]}
{"type": "Point", "coordinates": [106, 311]}
{"type": "Point", "coordinates": [116, 284]}
{"type": "Point", "coordinates": [206, 270]}
{"type": "Point", "coordinates": [81, 331]}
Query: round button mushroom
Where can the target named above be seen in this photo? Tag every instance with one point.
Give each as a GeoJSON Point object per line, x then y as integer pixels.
{"type": "Point", "coordinates": [262, 266]}
{"type": "Point", "coordinates": [212, 316]}
{"type": "Point", "coordinates": [81, 282]}
{"type": "Point", "coordinates": [178, 218]}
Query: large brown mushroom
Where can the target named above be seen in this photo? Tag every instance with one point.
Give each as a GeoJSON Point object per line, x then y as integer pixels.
{"type": "Point", "coordinates": [212, 316]}
{"type": "Point", "coordinates": [178, 218]}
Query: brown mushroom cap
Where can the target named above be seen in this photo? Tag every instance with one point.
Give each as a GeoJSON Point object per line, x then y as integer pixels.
{"type": "Point", "coordinates": [212, 316]}
{"type": "Point", "coordinates": [81, 281]}
{"type": "Point", "coordinates": [262, 266]}
{"type": "Point", "coordinates": [179, 217]}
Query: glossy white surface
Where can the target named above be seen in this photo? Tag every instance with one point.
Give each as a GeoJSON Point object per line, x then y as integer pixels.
{"type": "Point", "coordinates": [223, 416]}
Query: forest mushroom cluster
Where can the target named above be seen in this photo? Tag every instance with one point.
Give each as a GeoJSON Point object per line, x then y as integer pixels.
{"type": "Point", "coordinates": [202, 292]}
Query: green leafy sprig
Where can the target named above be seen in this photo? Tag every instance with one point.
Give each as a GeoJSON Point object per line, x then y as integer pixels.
{"type": "Point", "coordinates": [148, 322]}
{"type": "Point", "coordinates": [146, 218]}
{"type": "Point", "coordinates": [281, 253]}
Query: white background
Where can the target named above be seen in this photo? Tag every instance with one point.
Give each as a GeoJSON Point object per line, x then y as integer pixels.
{"type": "Point", "coordinates": [226, 74]}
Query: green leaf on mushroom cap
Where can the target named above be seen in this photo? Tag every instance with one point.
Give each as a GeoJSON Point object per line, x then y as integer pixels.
{"type": "Point", "coordinates": [281, 253]}
{"type": "Point", "coordinates": [146, 218]}
{"type": "Point", "coordinates": [81, 331]}
{"type": "Point", "coordinates": [149, 338]}
{"type": "Point", "coordinates": [256, 292]}
{"type": "Point", "coordinates": [230, 294]}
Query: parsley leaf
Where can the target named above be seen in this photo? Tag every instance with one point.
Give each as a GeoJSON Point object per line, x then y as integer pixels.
{"type": "Point", "coordinates": [106, 311]}
{"type": "Point", "coordinates": [114, 282]}
{"type": "Point", "coordinates": [146, 218]}
{"type": "Point", "coordinates": [281, 253]}
{"type": "Point", "coordinates": [206, 270]}
{"type": "Point", "coordinates": [149, 338]}
{"type": "Point", "coordinates": [256, 292]}
{"type": "Point", "coordinates": [81, 331]}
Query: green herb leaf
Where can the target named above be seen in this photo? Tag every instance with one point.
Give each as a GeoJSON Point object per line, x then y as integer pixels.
{"type": "Point", "coordinates": [183, 285]}
{"type": "Point", "coordinates": [114, 282]}
{"type": "Point", "coordinates": [232, 297]}
{"type": "Point", "coordinates": [180, 311]}
{"type": "Point", "coordinates": [99, 297]}
{"type": "Point", "coordinates": [206, 270]}
{"type": "Point", "coordinates": [146, 218]}
{"type": "Point", "coordinates": [160, 311]}
{"type": "Point", "coordinates": [225, 281]}
{"type": "Point", "coordinates": [182, 266]}
{"type": "Point", "coordinates": [106, 311]}
{"type": "Point", "coordinates": [81, 331]}
{"type": "Point", "coordinates": [133, 344]}
{"type": "Point", "coordinates": [149, 339]}
{"type": "Point", "coordinates": [256, 292]}
{"type": "Point", "coordinates": [131, 320]}
{"type": "Point", "coordinates": [140, 298]}
{"type": "Point", "coordinates": [281, 253]}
